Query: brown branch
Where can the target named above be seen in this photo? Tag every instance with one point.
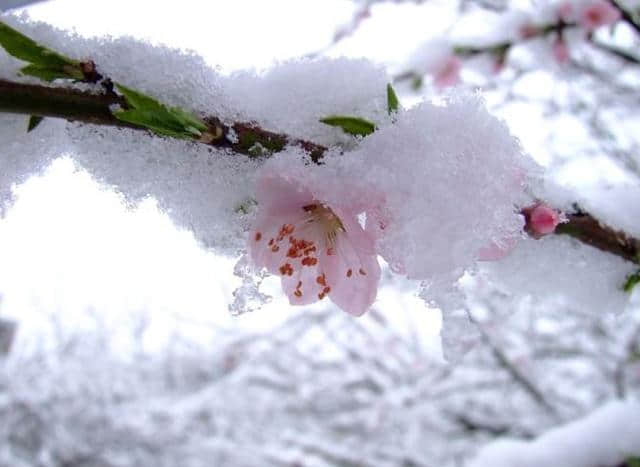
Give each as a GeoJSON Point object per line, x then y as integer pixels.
{"type": "Point", "coordinates": [626, 15]}
{"type": "Point", "coordinates": [589, 230]}
{"type": "Point", "coordinates": [86, 107]}
{"type": "Point", "coordinates": [616, 51]}
{"type": "Point", "coordinates": [69, 104]}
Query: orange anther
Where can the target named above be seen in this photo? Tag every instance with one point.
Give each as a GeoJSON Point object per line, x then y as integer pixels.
{"type": "Point", "coordinates": [321, 280]}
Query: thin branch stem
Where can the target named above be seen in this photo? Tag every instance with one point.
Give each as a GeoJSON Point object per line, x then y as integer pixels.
{"type": "Point", "coordinates": [617, 51]}
{"type": "Point", "coordinates": [627, 15]}
{"type": "Point", "coordinates": [589, 230]}
{"type": "Point", "coordinates": [504, 361]}
{"type": "Point", "coordinates": [86, 107]}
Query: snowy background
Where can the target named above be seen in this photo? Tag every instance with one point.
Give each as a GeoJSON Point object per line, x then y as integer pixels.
{"type": "Point", "coordinates": [127, 353]}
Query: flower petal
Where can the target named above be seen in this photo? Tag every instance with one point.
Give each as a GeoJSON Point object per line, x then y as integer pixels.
{"type": "Point", "coordinates": [276, 194]}
{"type": "Point", "coordinates": [352, 273]}
{"type": "Point", "coordinates": [303, 287]}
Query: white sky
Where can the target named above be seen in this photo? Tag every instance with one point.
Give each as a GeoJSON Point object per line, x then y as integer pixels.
{"type": "Point", "coordinates": [72, 252]}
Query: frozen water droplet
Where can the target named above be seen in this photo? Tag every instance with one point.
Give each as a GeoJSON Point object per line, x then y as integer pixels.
{"type": "Point", "coordinates": [247, 297]}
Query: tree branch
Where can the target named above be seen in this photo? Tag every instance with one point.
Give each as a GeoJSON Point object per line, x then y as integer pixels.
{"type": "Point", "coordinates": [86, 107]}
{"type": "Point", "coordinates": [528, 386]}
{"type": "Point", "coordinates": [626, 15]}
{"type": "Point", "coordinates": [589, 230]}
{"type": "Point", "coordinates": [249, 139]}
{"type": "Point", "coordinates": [616, 51]}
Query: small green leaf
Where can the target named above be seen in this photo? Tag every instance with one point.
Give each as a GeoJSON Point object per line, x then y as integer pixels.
{"type": "Point", "coordinates": [352, 125]}
{"type": "Point", "coordinates": [633, 462]}
{"type": "Point", "coordinates": [49, 74]}
{"type": "Point", "coordinates": [632, 281]}
{"type": "Point", "coordinates": [149, 113]}
{"type": "Point", "coordinates": [20, 46]}
{"type": "Point", "coordinates": [416, 82]}
{"type": "Point", "coordinates": [34, 121]}
{"type": "Point", "coordinates": [392, 100]}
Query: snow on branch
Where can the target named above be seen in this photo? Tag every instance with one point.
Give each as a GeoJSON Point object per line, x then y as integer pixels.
{"type": "Point", "coordinates": [460, 171]}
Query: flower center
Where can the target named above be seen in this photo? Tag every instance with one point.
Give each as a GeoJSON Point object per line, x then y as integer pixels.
{"type": "Point", "coordinates": [327, 221]}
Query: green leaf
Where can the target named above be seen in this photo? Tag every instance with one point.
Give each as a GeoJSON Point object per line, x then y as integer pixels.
{"type": "Point", "coordinates": [149, 113]}
{"type": "Point", "coordinates": [34, 121]}
{"type": "Point", "coordinates": [416, 82]}
{"type": "Point", "coordinates": [20, 46]}
{"type": "Point", "coordinates": [352, 125]}
{"type": "Point", "coordinates": [633, 462]}
{"type": "Point", "coordinates": [632, 281]}
{"type": "Point", "coordinates": [49, 74]}
{"type": "Point", "coordinates": [392, 100]}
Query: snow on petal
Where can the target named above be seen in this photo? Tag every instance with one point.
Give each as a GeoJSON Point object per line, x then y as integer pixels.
{"type": "Point", "coordinates": [452, 178]}
{"type": "Point", "coordinates": [497, 250]}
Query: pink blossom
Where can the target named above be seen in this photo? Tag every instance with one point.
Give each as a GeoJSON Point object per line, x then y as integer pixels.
{"type": "Point", "coordinates": [319, 250]}
{"type": "Point", "coordinates": [560, 51]}
{"type": "Point", "coordinates": [599, 13]}
{"type": "Point", "coordinates": [447, 72]}
{"type": "Point", "coordinates": [541, 219]}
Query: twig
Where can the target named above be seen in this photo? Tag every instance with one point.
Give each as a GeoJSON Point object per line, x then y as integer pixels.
{"type": "Point", "coordinates": [86, 107]}
{"type": "Point", "coordinates": [589, 230]}
{"type": "Point", "coordinates": [535, 393]}
{"type": "Point", "coordinates": [616, 51]}
{"type": "Point", "coordinates": [630, 348]}
{"type": "Point", "coordinates": [626, 15]}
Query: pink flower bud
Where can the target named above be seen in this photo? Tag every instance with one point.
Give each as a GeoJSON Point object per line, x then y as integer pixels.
{"type": "Point", "coordinates": [599, 13]}
{"type": "Point", "coordinates": [541, 219]}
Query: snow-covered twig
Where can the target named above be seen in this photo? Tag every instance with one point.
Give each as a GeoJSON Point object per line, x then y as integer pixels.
{"type": "Point", "coordinates": [87, 107]}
